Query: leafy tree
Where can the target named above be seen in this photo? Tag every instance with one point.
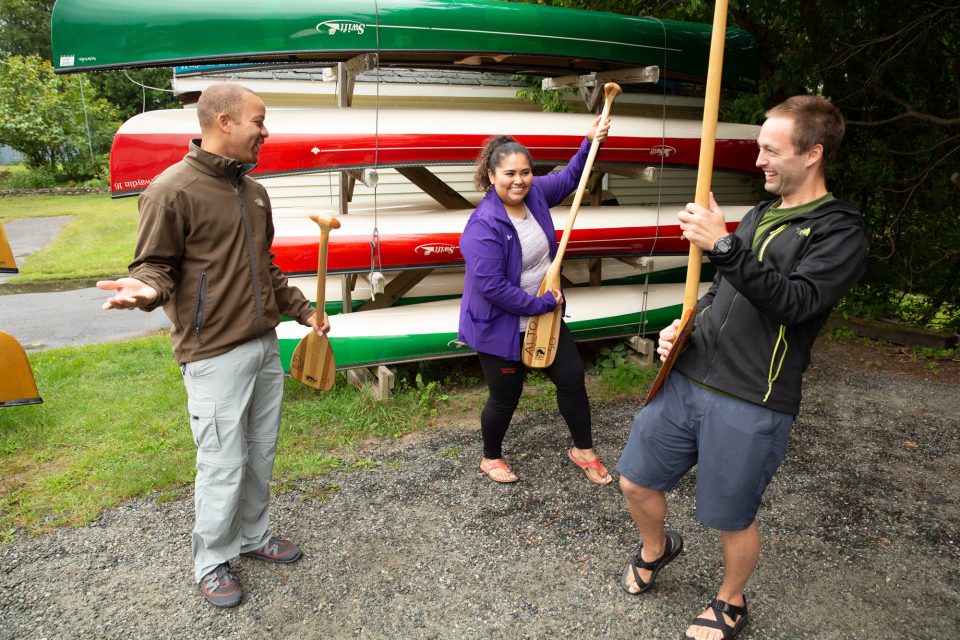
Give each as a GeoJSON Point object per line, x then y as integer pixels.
{"type": "Point", "coordinates": [42, 116]}
{"type": "Point", "coordinates": [120, 88]}
{"type": "Point", "coordinates": [25, 31]}
{"type": "Point", "coordinates": [25, 28]}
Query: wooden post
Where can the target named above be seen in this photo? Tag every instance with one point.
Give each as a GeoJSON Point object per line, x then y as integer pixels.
{"type": "Point", "coordinates": [594, 265]}
{"type": "Point", "coordinates": [348, 282]}
{"type": "Point", "coordinates": [344, 197]}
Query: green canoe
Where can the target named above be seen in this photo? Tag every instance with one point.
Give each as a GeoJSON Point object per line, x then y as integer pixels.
{"type": "Point", "coordinates": [463, 34]}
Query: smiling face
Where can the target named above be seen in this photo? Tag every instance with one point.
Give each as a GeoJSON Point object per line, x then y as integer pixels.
{"type": "Point", "coordinates": [512, 179]}
{"type": "Point", "coordinates": [784, 169]}
{"type": "Point", "coordinates": [247, 133]}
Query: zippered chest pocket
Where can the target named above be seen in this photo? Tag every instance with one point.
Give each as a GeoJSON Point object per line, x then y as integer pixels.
{"type": "Point", "coordinates": [770, 237]}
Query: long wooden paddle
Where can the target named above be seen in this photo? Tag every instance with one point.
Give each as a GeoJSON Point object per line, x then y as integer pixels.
{"type": "Point", "coordinates": [708, 139]}
{"type": "Point", "coordinates": [7, 263]}
{"type": "Point", "coordinates": [540, 339]}
{"type": "Point", "coordinates": [312, 362]}
{"type": "Point", "coordinates": [17, 386]}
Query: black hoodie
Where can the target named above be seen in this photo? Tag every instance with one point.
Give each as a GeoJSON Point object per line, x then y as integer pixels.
{"type": "Point", "coordinates": [756, 325]}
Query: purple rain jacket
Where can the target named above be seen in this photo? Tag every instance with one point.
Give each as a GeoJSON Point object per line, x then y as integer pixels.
{"type": "Point", "coordinates": [493, 301]}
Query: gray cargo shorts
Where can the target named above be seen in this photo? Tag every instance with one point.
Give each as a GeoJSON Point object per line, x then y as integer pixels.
{"type": "Point", "coordinates": [736, 445]}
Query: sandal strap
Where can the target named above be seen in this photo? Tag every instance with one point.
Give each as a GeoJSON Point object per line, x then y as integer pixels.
{"type": "Point", "coordinates": [636, 574]}
{"type": "Point", "coordinates": [650, 566]}
{"type": "Point", "coordinates": [720, 624]}
{"type": "Point", "coordinates": [594, 464]}
{"type": "Point", "coordinates": [496, 464]}
{"type": "Point", "coordinates": [729, 609]}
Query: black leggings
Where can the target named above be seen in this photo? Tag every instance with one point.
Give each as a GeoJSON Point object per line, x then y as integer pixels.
{"type": "Point", "coordinates": [505, 381]}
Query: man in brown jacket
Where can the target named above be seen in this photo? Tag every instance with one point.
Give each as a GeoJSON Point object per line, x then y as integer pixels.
{"type": "Point", "coordinates": [203, 254]}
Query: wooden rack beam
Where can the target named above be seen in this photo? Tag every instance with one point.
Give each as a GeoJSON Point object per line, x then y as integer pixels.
{"type": "Point", "coordinates": [435, 187]}
{"type": "Point", "coordinates": [395, 289]}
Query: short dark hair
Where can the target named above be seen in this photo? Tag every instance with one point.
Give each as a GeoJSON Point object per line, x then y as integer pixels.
{"type": "Point", "coordinates": [221, 97]}
{"type": "Point", "coordinates": [495, 150]}
{"type": "Point", "coordinates": [815, 121]}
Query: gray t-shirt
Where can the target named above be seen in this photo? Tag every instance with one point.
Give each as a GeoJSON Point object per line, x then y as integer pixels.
{"type": "Point", "coordinates": [535, 250]}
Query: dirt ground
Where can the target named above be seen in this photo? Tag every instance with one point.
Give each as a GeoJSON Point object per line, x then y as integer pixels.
{"type": "Point", "coordinates": [860, 527]}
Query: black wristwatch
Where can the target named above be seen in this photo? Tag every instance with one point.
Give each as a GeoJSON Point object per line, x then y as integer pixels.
{"type": "Point", "coordinates": [722, 246]}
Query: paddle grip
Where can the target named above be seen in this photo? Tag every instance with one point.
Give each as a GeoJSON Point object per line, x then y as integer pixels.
{"type": "Point", "coordinates": [325, 222]}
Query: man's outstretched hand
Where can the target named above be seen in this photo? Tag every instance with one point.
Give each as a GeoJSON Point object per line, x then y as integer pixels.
{"type": "Point", "coordinates": [131, 293]}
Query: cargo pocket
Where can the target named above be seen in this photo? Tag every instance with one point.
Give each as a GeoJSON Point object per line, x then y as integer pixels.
{"type": "Point", "coordinates": [203, 424]}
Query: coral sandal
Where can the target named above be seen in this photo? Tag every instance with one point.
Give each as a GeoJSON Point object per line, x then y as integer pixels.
{"type": "Point", "coordinates": [594, 464]}
{"type": "Point", "coordinates": [497, 464]}
{"type": "Point", "coordinates": [719, 608]}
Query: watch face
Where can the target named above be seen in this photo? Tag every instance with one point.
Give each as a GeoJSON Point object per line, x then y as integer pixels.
{"type": "Point", "coordinates": [722, 246]}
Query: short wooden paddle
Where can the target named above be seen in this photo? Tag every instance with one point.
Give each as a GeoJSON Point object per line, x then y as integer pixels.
{"type": "Point", "coordinates": [708, 138]}
{"type": "Point", "coordinates": [312, 362]}
{"type": "Point", "coordinates": [540, 340]}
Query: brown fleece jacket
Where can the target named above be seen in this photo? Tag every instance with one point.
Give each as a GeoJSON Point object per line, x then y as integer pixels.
{"type": "Point", "coordinates": [204, 244]}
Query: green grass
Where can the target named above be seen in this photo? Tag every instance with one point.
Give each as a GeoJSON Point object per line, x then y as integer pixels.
{"type": "Point", "coordinates": [114, 425]}
{"type": "Point", "coordinates": [98, 242]}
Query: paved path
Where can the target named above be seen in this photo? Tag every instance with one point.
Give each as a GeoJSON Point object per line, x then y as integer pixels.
{"type": "Point", "coordinates": [63, 318]}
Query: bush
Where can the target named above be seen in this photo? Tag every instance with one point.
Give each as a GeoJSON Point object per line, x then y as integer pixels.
{"type": "Point", "coordinates": [40, 178]}
{"type": "Point", "coordinates": [80, 170]}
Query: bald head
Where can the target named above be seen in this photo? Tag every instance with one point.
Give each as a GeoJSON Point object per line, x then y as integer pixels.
{"type": "Point", "coordinates": [222, 97]}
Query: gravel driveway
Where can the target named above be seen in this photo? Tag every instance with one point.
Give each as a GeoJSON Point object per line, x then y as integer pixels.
{"type": "Point", "coordinates": [860, 531]}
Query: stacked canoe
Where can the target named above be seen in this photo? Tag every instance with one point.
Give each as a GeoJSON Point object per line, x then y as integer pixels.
{"type": "Point", "coordinates": [607, 243]}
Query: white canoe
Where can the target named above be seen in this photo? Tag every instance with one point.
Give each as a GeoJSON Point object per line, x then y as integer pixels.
{"type": "Point", "coordinates": [429, 330]}
{"type": "Point", "coordinates": [443, 284]}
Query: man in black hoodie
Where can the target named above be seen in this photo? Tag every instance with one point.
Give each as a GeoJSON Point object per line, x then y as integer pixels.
{"type": "Point", "coordinates": [731, 399]}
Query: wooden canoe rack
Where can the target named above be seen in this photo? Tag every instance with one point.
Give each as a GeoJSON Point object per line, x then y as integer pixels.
{"type": "Point", "coordinates": [378, 381]}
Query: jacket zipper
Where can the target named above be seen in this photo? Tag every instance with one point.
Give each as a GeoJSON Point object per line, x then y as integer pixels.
{"type": "Point", "coordinates": [771, 376]}
{"type": "Point", "coordinates": [770, 237]}
{"type": "Point", "coordinates": [201, 303]}
{"type": "Point", "coordinates": [253, 260]}
{"type": "Point", "coordinates": [723, 324]}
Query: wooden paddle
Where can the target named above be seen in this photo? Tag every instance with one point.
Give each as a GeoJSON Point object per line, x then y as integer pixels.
{"type": "Point", "coordinates": [540, 339]}
{"type": "Point", "coordinates": [312, 362]}
{"type": "Point", "coordinates": [7, 263]}
{"type": "Point", "coordinates": [17, 386]}
{"type": "Point", "coordinates": [708, 137]}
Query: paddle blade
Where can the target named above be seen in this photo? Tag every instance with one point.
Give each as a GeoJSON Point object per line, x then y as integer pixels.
{"type": "Point", "coordinates": [540, 339]}
{"type": "Point", "coordinates": [7, 263]}
{"type": "Point", "coordinates": [17, 386]}
{"type": "Point", "coordinates": [312, 362]}
{"type": "Point", "coordinates": [683, 338]}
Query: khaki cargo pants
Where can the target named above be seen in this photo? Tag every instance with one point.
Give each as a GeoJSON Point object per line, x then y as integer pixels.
{"type": "Point", "coordinates": [235, 401]}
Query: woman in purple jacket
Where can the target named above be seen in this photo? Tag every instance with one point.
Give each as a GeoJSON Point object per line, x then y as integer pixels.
{"type": "Point", "coordinates": [508, 244]}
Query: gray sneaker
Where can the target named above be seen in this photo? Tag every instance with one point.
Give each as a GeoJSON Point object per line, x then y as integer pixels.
{"type": "Point", "coordinates": [276, 550]}
{"type": "Point", "coordinates": [221, 588]}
